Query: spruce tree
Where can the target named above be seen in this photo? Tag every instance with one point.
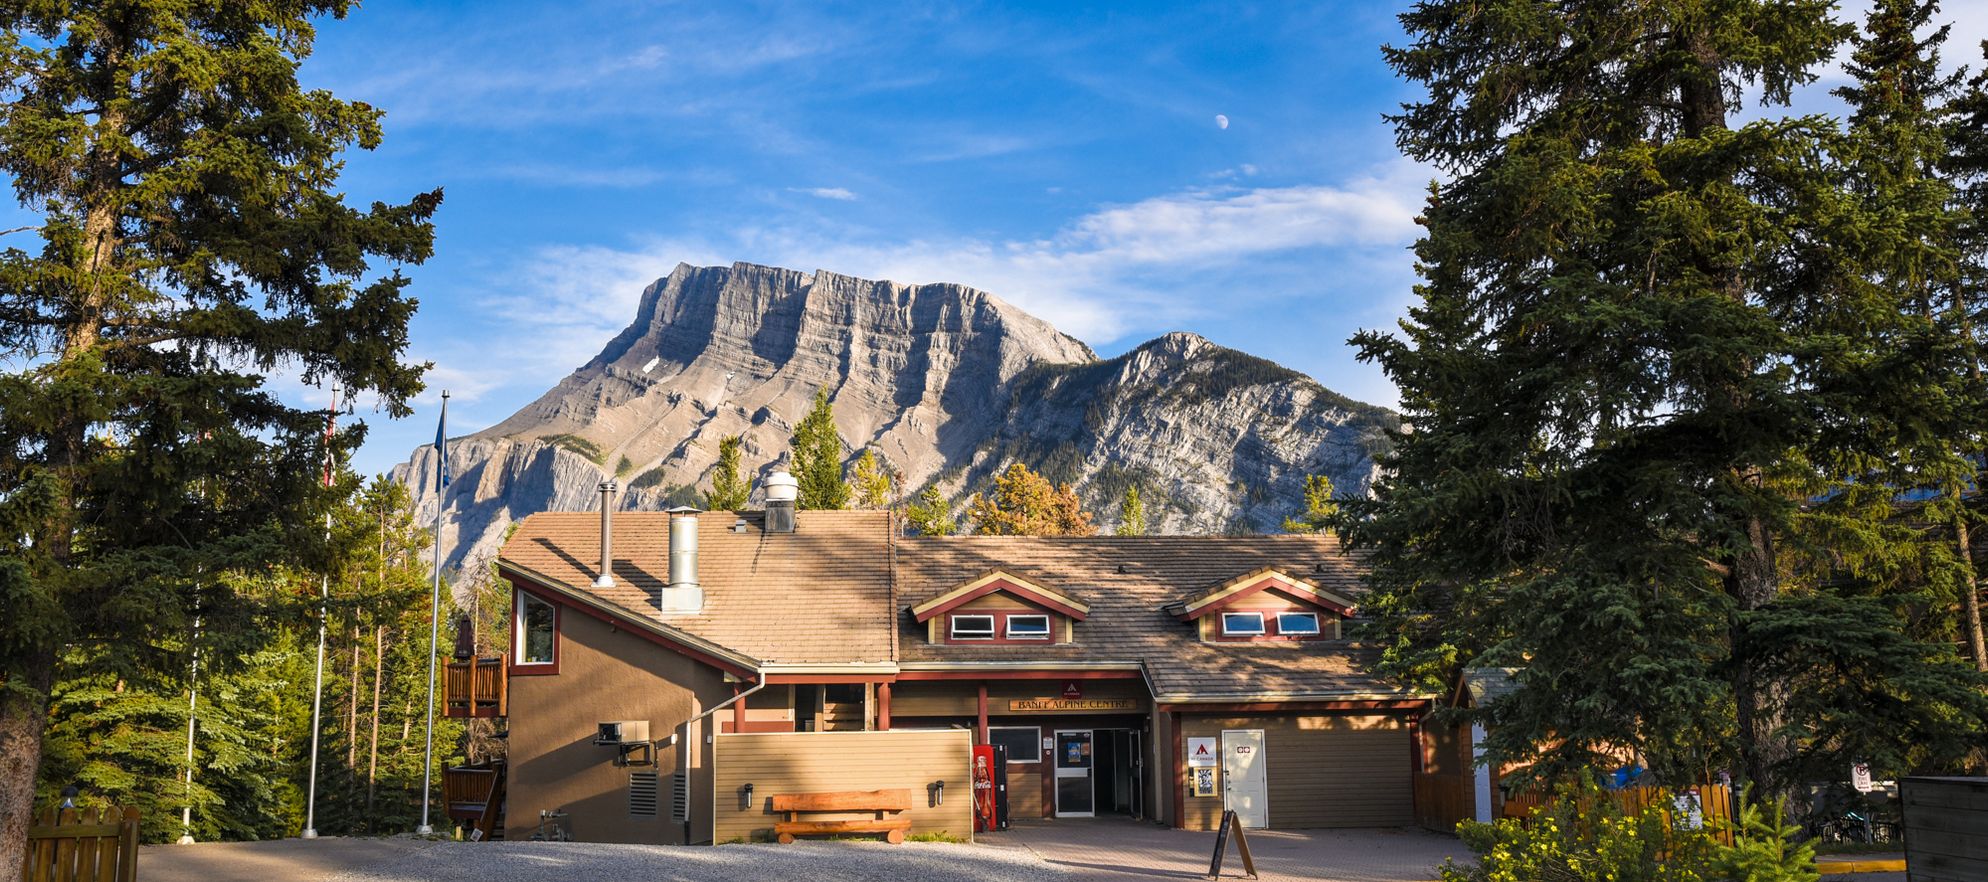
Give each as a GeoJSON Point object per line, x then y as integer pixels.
{"type": "Point", "coordinates": [1131, 514]}
{"type": "Point", "coordinates": [1644, 339]}
{"type": "Point", "coordinates": [188, 237]}
{"type": "Point", "coordinates": [1966, 168]}
{"type": "Point", "coordinates": [1320, 507]}
{"type": "Point", "coordinates": [816, 450]}
{"type": "Point", "coordinates": [930, 514]}
{"type": "Point", "coordinates": [871, 482]}
{"type": "Point", "coordinates": [729, 491]}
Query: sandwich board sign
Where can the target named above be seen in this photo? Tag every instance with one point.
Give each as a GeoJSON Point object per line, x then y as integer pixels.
{"type": "Point", "coordinates": [1201, 753]}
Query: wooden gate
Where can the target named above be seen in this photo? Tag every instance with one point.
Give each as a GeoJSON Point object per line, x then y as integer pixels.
{"type": "Point", "coordinates": [83, 845]}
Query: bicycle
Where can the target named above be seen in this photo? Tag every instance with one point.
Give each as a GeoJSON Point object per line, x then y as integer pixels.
{"type": "Point", "coordinates": [554, 819]}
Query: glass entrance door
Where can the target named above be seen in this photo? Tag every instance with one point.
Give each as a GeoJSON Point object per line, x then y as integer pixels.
{"type": "Point", "coordinates": [1074, 797]}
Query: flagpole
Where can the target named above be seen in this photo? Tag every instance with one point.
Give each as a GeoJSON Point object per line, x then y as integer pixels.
{"type": "Point", "coordinates": [434, 608]}
{"type": "Point", "coordinates": [192, 702]}
{"type": "Point", "coordinates": [324, 603]}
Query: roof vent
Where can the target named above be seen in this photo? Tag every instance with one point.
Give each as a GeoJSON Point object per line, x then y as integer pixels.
{"type": "Point", "coordinates": [781, 492]}
{"type": "Point", "coordinates": [606, 577]}
{"type": "Point", "coordinates": [739, 526]}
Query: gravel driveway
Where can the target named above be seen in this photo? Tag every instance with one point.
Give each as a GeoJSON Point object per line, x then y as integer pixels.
{"type": "Point", "coordinates": [800, 862]}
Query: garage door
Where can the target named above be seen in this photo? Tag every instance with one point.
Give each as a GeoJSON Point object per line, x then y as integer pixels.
{"type": "Point", "coordinates": [1325, 771]}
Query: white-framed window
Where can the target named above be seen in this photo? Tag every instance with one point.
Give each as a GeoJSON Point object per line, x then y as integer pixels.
{"type": "Point", "coordinates": [1297, 624]}
{"type": "Point", "coordinates": [536, 623]}
{"type": "Point", "coordinates": [1028, 627]}
{"type": "Point", "coordinates": [972, 627]}
{"type": "Point", "coordinates": [1242, 624]}
{"type": "Point", "coordinates": [1024, 743]}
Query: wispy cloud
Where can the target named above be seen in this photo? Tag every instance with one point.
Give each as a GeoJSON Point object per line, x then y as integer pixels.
{"type": "Point", "coordinates": [838, 193]}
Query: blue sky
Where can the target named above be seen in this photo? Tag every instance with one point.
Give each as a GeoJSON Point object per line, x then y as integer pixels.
{"type": "Point", "coordinates": [1121, 170]}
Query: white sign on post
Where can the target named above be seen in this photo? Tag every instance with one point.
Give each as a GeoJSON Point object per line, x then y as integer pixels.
{"type": "Point", "coordinates": [1201, 753]}
{"type": "Point", "coordinates": [1860, 777]}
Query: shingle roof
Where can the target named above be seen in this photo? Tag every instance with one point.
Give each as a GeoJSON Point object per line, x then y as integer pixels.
{"type": "Point", "coordinates": [1128, 581]}
{"type": "Point", "coordinates": [818, 595]}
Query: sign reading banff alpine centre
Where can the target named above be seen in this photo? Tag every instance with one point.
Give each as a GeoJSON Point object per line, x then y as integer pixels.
{"type": "Point", "coordinates": [1072, 704]}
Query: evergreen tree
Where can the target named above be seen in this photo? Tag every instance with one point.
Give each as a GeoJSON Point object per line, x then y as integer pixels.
{"type": "Point", "coordinates": [1024, 503]}
{"type": "Point", "coordinates": [729, 491]}
{"type": "Point", "coordinates": [930, 514]}
{"type": "Point", "coordinates": [871, 482]}
{"type": "Point", "coordinates": [1131, 514]}
{"type": "Point", "coordinates": [191, 236]}
{"type": "Point", "coordinates": [1644, 341]}
{"type": "Point", "coordinates": [817, 458]}
{"type": "Point", "coordinates": [1966, 167]}
{"type": "Point", "coordinates": [1320, 507]}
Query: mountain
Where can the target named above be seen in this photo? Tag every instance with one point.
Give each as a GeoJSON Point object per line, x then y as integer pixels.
{"type": "Point", "coordinates": [948, 384]}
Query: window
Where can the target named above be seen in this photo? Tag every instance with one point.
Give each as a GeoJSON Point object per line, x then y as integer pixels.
{"type": "Point", "coordinates": [1297, 624]}
{"type": "Point", "coordinates": [973, 627]}
{"type": "Point", "coordinates": [1028, 627]}
{"type": "Point", "coordinates": [1024, 743]}
{"type": "Point", "coordinates": [535, 624]}
{"type": "Point", "coordinates": [1242, 624]}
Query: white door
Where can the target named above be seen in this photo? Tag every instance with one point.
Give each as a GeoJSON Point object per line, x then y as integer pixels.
{"type": "Point", "coordinates": [1245, 786]}
{"type": "Point", "coordinates": [1074, 796]}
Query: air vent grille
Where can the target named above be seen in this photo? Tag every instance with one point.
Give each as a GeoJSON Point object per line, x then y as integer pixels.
{"type": "Point", "coordinates": [642, 794]}
{"type": "Point", "coordinates": [679, 797]}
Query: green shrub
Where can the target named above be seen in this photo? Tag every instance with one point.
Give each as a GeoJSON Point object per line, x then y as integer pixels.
{"type": "Point", "coordinates": [941, 836]}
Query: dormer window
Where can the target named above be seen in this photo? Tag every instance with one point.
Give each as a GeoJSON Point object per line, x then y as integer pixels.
{"type": "Point", "coordinates": [1297, 624]}
{"type": "Point", "coordinates": [1242, 624]}
{"type": "Point", "coordinates": [972, 627]}
{"type": "Point", "coordinates": [1028, 627]}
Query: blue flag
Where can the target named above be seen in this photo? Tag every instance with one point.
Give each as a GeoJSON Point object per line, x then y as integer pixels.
{"type": "Point", "coordinates": [442, 446]}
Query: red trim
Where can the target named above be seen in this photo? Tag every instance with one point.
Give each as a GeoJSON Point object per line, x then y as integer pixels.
{"type": "Point", "coordinates": [1006, 587]}
{"type": "Point", "coordinates": [1272, 630]}
{"type": "Point", "coordinates": [1263, 584]}
{"type": "Point", "coordinates": [1017, 675]}
{"type": "Point", "coordinates": [1251, 707]}
{"type": "Point", "coordinates": [819, 679]}
{"type": "Point", "coordinates": [536, 669]}
{"type": "Point", "coordinates": [1000, 638]}
{"type": "Point", "coordinates": [739, 711]}
{"type": "Point", "coordinates": [632, 626]}
{"type": "Point", "coordinates": [883, 707]}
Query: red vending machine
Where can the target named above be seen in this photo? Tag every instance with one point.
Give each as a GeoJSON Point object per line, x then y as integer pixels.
{"type": "Point", "coordinates": [984, 808]}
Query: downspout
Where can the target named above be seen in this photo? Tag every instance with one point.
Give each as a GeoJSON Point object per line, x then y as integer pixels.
{"type": "Point", "coordinates": [683, 756]}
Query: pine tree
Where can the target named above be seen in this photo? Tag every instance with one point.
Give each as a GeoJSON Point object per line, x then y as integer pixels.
{"type": "Point", "coordinates": [871, 482]}
{"type": "Point", "coordinates": [1131, 514]}
{"type": "Point", "coordinates": [817, 458]}
{"type": "Point", "coordinates": [1966, 167]}
{"type": "Point", "coordinates": [1320, 507]}
{"type": "Point", "coordinates": [930, 514]}
{"type": "Point", "coordinates": [729, 491]}
{"type": "Point", "coordinates": [192, 235]}
{"type": "Point", "coordinates": [1643, 342]}
{"type": "Point", "coordinates": [1024, 503]}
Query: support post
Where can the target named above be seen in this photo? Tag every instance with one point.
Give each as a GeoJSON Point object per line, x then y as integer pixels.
{"type": "Point", "coordinates": [981, 729]}
{"type": "Point", "coordinates": [739, 715]}
{"type": "Point", "coordinates": [883, 707]}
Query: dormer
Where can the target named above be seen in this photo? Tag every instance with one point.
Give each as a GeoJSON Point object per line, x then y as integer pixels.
{"type": "Point", "coordinates": [1000, 609]}
{"type": "Point", "coordinates": [1265, 605]}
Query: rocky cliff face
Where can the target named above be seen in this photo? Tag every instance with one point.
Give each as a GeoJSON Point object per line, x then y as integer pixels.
{"type": "Point", "coordinates": [946, 383]}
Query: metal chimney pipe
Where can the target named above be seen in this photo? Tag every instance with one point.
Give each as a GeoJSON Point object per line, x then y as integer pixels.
{"type": "Point", "coordinates": [606, 578]}
{"type": "Point", "coordinates": [683, 594]}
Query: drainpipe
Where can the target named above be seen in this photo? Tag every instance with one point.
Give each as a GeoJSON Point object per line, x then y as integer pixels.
{"type": "Point", "coordinates": [683, 756]}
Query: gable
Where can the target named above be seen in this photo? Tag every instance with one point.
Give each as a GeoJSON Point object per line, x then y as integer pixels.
{"type": "Point", "coordinates": [1258, 582]}
{"type": "Point", "coordinates": [1000, 582]}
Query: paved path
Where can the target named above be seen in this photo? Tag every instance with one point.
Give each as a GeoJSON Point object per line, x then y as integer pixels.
{"type": "Point", "coordinates": [292, 860]}
{"type": "Point", "coordinates": [1116, 850]}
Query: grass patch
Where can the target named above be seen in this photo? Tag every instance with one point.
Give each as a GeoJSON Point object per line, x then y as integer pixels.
{"type": "Point", "coordinates": [940, 836]}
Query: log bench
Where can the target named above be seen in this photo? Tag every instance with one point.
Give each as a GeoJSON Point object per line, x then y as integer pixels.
{"type": "Point", "coordinates": [888, 806]}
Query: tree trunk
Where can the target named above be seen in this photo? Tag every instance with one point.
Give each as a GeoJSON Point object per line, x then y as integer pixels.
{"type": "Point", "coordinates": [352, 707]}
{"type": "Point", "coordinates": [1970, 591]}
{"type": "Point", "coordinates": [23, 711]}
{"type": "Point", "coordinates": [1758, 697]}
{"type": "Point", "coordinates": [373, 752]}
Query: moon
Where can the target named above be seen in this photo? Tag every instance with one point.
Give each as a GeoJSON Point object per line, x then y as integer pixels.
{"type": "Point", "coordinates": [1221, 122]}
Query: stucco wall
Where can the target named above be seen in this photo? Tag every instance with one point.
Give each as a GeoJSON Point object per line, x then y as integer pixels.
{"type": "Point", "coordinates": [823, 762]}
{"type": "Point", "coordinates": [605, 674]}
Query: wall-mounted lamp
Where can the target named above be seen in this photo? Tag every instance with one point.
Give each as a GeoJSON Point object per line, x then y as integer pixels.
{"type": "Point", "coordinates": [745, 797]}
{"type": "Point", "coordinates": [938, 789]}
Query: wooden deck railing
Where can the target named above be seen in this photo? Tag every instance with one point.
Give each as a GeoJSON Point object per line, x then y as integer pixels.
{"type": "Point", "coordinates": [474, 795]}
{"type": "Point", "coordinates": [475, 687]}
{"type": "Point", "coordinates": [83, 845]}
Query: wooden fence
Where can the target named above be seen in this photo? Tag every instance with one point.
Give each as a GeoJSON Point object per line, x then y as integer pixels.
{"type": "Point", "coordinates": [83, 845]}
{"type": "Point", "coordinates": [1714, 803]}
{"type": "Point", "coordinates": [1442, 800]}
{"type": "Point", "coordinates": [475, 687]}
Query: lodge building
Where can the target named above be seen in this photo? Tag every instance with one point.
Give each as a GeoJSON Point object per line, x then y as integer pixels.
{"type": "Point", "coordinates": [727, 657]}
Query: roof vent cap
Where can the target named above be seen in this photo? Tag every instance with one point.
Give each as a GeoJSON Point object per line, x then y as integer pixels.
{"type": "Point", "coordinates": [781, 487]}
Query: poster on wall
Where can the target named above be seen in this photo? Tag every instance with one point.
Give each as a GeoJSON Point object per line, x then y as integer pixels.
{"type": "Point", "coordinates": [1203, 781]}
{"type": "Point", "coordinates": [1200, 753]}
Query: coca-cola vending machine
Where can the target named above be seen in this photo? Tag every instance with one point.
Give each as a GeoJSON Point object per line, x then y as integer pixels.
{"type": "Point", "coordinates": [990, 788]}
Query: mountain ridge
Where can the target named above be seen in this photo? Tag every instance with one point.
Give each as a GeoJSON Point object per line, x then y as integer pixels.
{"type": "Point", "coordinates": [948, 383]}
